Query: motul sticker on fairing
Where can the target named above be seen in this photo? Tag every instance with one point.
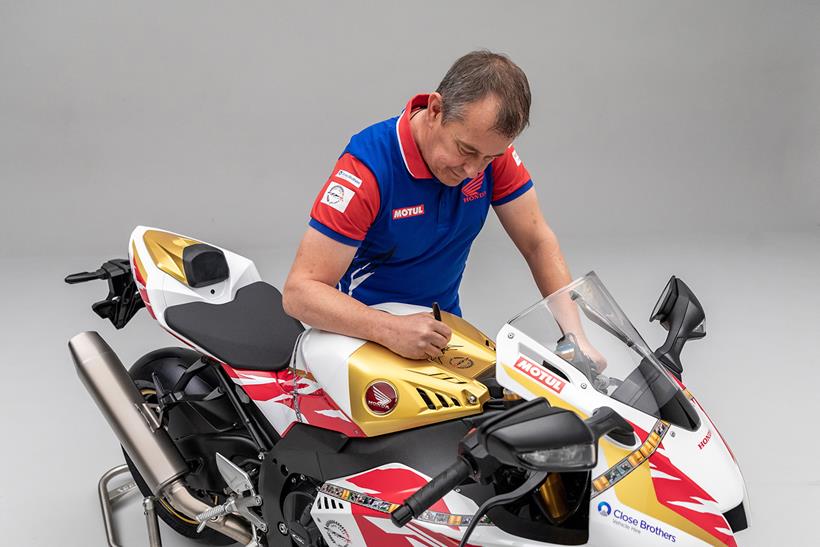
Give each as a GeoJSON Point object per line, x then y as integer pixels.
{"type": "Point", "coordinates": [540, 374]}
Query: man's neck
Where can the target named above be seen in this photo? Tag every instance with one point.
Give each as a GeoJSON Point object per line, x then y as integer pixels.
{"type": "Point", "coordinates": [418, 129]}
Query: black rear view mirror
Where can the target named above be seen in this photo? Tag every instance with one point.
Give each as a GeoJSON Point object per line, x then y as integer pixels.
{"type": "Point", "coordinates": [679, 312]}
{"type": "Point", "coordinates": [543, 438]}
{"type": "Point", "coordinates": [539, 437]}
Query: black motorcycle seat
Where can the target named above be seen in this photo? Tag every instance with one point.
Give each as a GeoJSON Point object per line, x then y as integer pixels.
{"type": "Point", "coordinates": [252, 331]}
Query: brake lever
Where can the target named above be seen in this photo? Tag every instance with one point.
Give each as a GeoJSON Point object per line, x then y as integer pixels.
{"type": "Point", "coordinates": [534, 480]}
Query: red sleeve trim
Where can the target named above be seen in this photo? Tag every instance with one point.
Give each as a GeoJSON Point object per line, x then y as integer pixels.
{"type": "Point", "coordinates": [509, 174]}
{"type": "Point", "coordinates": [349, 201]}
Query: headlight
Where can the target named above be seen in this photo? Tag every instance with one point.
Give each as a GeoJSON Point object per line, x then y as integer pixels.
{"type": "Point", "coordinates": [576, 456]}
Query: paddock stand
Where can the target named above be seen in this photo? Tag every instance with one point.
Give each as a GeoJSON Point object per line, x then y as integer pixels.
{"type": "Point", "coordinates": [109, 497]}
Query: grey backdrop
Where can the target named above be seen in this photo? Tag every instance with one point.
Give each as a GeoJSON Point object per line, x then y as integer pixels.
{"type": "Point", "coordinates": [666, 138]}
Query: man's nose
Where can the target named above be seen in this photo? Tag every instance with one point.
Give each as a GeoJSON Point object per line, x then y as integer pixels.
{"type": "Point", "coordinates": [471, 169]}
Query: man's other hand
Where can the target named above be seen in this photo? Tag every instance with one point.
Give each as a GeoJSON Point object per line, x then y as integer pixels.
{"type": "Point", "coordinates": [594, 355]}
{"type": "Point", "coordinates": [416, 336]}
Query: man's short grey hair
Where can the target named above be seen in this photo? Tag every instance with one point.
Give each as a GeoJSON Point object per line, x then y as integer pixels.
{"type": "Point", "coordinates": [483, 73]}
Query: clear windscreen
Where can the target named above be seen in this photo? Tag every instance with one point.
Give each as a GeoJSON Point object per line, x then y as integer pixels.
{"type": "Point", "coordinates": [583, 325]}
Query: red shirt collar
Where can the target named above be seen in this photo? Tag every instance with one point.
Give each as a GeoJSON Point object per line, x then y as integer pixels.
{"type": "Point", "coordinates": [407, 145]}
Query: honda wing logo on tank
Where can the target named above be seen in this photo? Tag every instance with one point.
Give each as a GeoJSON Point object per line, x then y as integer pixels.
{"type": "Point", "coordinates": [540, 374]}
{"type": "Point", "coordinates": [382, 400]}
{"type": "Point", "coordinates": [381, 397]}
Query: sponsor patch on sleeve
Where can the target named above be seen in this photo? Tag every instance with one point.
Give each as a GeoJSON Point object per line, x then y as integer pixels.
{"type": "Point", "coordinates": [338, 196]}
{"type": "Point", "coordinates": [349, 177]}
{"type": "Point", "coordinates": [516, 158]}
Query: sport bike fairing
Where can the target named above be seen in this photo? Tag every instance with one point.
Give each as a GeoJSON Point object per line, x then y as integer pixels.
{"type": "Point", "coordinates": [672, 485]}
{"type": "Point", "coordinates": [677, 480]}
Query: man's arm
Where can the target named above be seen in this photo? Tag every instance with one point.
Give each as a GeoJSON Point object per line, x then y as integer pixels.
{"type": "Point", "coordinates": [310, 295]}
{"type": "Point", "coordinates": [524, 223]}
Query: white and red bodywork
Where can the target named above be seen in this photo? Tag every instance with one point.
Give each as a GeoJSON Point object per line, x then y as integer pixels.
{"type": "Point", "coordinates": [283, 397]}
{"type": "Point", "coordinates": [692, 474]}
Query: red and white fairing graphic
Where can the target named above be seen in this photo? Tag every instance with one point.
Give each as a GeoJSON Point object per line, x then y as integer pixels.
{"type": "Point", "coordinates": [672, 489]}
{"type": "Point", "coordinates": [283, 397]}
{"type": "Point", "coordinates": [346, 523]}
{"type": "Point", "coordinates": [680, 493]}
{"type": "Point", "coordinates": [318, 393]}
{"type": "Point", "coordinates": [286, 398]}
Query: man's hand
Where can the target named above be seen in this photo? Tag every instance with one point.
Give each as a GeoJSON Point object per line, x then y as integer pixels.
{"type": "Point", "coordinates": [416, 336]}
{"type": "Point", "coordinates": [589, 350]}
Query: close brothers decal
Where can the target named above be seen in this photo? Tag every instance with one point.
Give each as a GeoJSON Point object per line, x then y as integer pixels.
{"type": "Point", "coordinates": [636, 524]}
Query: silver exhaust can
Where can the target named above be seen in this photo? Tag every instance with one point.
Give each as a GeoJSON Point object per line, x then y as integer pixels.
{"type": "Point", "coordinates": [136, 426]}
{"type": "Point", "coordinates": [101, 371]}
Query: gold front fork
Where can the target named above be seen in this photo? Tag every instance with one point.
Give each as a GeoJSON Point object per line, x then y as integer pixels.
{"type": "Point", "coordinates": [511, 395]}
{"type": "Point", "coordinates": [554, 497]}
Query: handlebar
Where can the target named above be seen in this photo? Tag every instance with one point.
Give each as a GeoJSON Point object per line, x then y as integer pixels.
{"type": "Point", "coordinates": [569, 350]}
{"type": "Point", "coordinates": [82, 277]}
{"type": "Point", "coordinates": [431, 492]}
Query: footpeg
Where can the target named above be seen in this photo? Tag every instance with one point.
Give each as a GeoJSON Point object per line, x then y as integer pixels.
{"type": "Point", "coordinates": [236, 506]}
{"type": "Point", "coordinates": [238, 503]}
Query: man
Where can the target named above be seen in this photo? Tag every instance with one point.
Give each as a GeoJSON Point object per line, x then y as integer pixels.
{"type": "Point", "coordinates": [396, 219]}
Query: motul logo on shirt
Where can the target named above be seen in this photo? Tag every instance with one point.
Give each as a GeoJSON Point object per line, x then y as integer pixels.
{"type": "Point", "coordinates": [539, 374]}
{"type": "Point", "coordinates": [407, 212]}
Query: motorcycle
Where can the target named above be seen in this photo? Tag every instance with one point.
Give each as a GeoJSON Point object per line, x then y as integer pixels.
{"type": "Point", "coordinates": [263, 432]}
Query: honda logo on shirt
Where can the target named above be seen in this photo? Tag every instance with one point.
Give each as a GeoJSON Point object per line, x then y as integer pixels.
{"type": "Point", "coordinates": [471, 190]}
{"type": "Point", "coordinates": [407, 212]}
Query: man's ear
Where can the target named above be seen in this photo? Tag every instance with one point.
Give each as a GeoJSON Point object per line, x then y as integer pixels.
{"type": "Point", "coordinates": [434, 105]}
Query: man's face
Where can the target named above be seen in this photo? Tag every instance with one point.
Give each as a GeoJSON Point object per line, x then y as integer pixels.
{"type": "Point", "coordinates": [461, 149]}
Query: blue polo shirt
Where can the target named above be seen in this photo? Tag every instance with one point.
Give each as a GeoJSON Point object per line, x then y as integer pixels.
{"type": "Point", "coordinates": [413, 233]}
